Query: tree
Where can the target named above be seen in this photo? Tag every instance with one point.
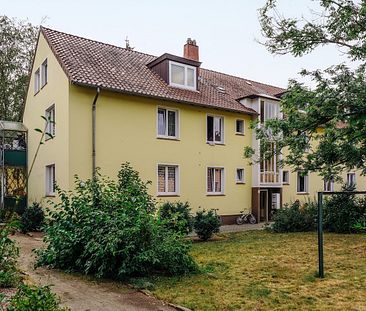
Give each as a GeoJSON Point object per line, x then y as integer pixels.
{"type": "Point", "coordinates": [17, 43]}
{"type": "Point", "coordinates": [324, 128]}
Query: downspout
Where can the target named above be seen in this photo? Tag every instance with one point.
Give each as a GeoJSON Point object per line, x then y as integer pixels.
{"type": "Point", "coordinates": [94, 116]}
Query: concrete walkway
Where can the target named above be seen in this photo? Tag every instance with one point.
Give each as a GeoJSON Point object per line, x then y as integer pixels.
{"type": "Point", "coordinates": [80, 292]}
{"type": "Point", "coordinates": [244, 227]}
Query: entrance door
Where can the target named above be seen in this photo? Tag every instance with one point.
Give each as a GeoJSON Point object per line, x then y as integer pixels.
{"type": "Point", "coordinates": [263, 205]}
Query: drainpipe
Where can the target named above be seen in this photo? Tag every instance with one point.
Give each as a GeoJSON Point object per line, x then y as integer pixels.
{"type": "Point", "coordinates": [94, 116]}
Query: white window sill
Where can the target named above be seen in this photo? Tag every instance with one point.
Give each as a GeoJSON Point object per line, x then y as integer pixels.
{"type": "Point", "coordinates": [168, 137]}
{"type": "Point", "coordinates": [168, 195]}
{"type": "Point", "coordinates": [215, 194]}
{"type": "Point", "coordinates": [212, 143]}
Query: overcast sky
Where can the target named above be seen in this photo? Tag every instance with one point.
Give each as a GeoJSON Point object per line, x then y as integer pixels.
{"type": "Point", "coordinates": [225, 30]}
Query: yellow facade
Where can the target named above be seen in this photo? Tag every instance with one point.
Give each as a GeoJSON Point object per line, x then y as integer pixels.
{"type": "Point", "coordinates": [126, 131]}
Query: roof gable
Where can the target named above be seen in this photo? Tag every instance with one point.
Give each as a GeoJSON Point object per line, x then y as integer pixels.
{"type": "Point", "coordinates": [91, 63]}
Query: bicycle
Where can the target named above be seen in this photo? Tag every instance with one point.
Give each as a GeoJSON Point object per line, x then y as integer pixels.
{"type": "Point", "coordinates": [245, 218]}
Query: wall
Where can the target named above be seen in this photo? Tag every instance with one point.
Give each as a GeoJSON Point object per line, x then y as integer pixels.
{"type": "Point", "coordinates": [127, 130]}
{"type": "Point", "coordinates": [53, 151]}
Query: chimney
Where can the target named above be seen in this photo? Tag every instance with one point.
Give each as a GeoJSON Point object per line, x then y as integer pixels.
{"type": "Point", "coordinates": [191, 50]}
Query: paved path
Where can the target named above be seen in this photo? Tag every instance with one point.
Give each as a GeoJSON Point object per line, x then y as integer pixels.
{"type": "Point", "coordinates": [239, 228]}
{"type": "Point", "coordinates": [80, 292]}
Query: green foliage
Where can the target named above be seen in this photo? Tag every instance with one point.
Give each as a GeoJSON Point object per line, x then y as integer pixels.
{"type": "Point", "coordinates": [9, 252]}
{"type": "Point", "coordinates": [206, 223]}
{"type": "Point", "coordinates": [336, 104]}
{"type": "Point", "coordinates": [176, 216]}
{"type": "Point", "coordinates": [18, 40]}
{"type": "Point", "coordinates": [342, 212]}
{"type": "Point", "coordinates": [32, 298]}
{"type": "Point", "coordinates": [32, 219]}
{"type": "Point", "coordinates": [109, 229]}
{"type": "Point", "coordinates": [295, 218]}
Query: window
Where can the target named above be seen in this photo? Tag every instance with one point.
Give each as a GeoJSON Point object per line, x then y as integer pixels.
{"type": "Point", "coordinates": [215, 129]}
{"type": "Point", "coordinates": [50, 180]}
{"type": "Point", "coordinates": [240, 176]}
{"type": "Point", "coordinates": [240, 127]}
{"type": "Point", "coordinates": [50, 128]}
{"type": "Point", "coordinates": [37, 81]}
{"type": "Point", "coordinates": [167, 179]}
{"type": "Point", "coordinates": [351, 179]}
{"type": "Point", "coordinates": [44, 73]}
{"type": "Point", "coordinates": [182, 75]}
{"type": "Point", "coordinates": [215, 180]}
{"type": "Point", "coordinates": [302, 182]}
{"type": "Point", "coordinates": [328, 185]}
{"type": "Point", "coordinates": [285, 177]}
{"type": "Point", "coordinates": [167, 123]}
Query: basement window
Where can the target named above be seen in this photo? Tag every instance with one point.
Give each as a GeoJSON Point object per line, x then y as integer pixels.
{"type": "Point", "coordinates": [181, 75]}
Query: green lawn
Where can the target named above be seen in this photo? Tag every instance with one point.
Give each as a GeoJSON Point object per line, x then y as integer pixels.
{"type": "Point", "coordinates": [259, 270]}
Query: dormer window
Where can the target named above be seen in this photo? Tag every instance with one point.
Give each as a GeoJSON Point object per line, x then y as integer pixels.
{"type": "Point", "coordinates": [182, 75]}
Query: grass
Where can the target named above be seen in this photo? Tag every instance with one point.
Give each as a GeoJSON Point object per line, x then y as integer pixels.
{"type": "Point", "coordinates": [259, 270]}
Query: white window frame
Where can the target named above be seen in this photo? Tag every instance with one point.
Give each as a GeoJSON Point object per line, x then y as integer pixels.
{"type": "Point", "coordinates": [177, 183]}
{"type": "Point", "coordinates": [354, 178]}
{"type": "Point", "coordinates": [214, 142]}
{"type": "Point", "coordinates": [288, 177]}
{"type": "Point", "coordinates": [240, 133]}
{"type": "Point", "coordinates": [185, 85]}
{"type": "Point", "coordinates": [238, 181]}
{"type": "Point", "coordinates": [328, 185]}
{"type": "Point", "coordinates": [44, 73]}
{"type": "Point", "coordinates": [50, 181]}
{"type": "Point", "coordinates": [213, 192]}
{"type": "Point", "coordinates": [177, 123]}
{"type": "Point", "coordinates": [37, 81]}
{"type": "Point", "coordinates": [306, 183]}
{"type": "Point", "coordinates": [51, 126]}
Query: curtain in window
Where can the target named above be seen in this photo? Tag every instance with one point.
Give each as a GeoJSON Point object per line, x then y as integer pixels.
{"type": "Point", "coordinates": [171, 123]}
{"type": "Point", "coordinates": [210, 180]}
{"type": "Point", "coordinates": [161, 121]}
{"type": "Point", "coordinates": [218, 176]}
{"type": "Point", "coordinates": [161, 178]}
{"type": "Point", "coordinates": [171, 179]}
{"type": "Point", "coordinates": [217, 122]}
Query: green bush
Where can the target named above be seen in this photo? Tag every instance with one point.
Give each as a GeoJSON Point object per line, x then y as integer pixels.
{"type": "Point", "coordinates": [295, 218]}
{"type": "Point", "coordinates": [176, 216]}
{"type": "Point", "coordinates": [109, 229]}
{"type": "Point", "coordinates": [32, 218]}
{"type": "Point", "coordinates": [32, 298]}
{"type": "Point", "coordinates": [206, 224]}
{"type": "Point", "coordinates": [342, 212]}
{"type": "Point", "coordinates": [9, 252]}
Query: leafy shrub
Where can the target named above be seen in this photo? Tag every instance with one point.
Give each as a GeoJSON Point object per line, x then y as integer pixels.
{"type": "Point", "coordinates": [32, 219]}
{"type": "Point", "coordinates": [32, 298]}
{"type": "Point", "coordinates": [109, 229]}
{"type": "Point", "coordinates": [9, 252]}
{"type": "Point", "coordinates": [342, 212]}
{"type": "Point", "coordinates": [176, 216]}
{"type": "Point", "coordinates": [206, 224]}
{"type": "Point", "coordinates": [295, 218]}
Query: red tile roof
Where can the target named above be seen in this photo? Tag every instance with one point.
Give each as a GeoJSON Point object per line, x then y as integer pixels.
{"type": "Point", "coordinates": [91, 63]}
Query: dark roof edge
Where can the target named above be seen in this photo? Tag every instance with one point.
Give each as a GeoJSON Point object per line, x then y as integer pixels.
{"type": "Point", "coordinates": [175, 58]}
{"type": "Point", "coordinates": [260, 95]}
{"type": "Point", "coordinates": [163, 98]}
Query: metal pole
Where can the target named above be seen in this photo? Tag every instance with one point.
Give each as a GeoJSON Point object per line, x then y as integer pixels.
{"type": "Point", "coordinates": [320, 235]}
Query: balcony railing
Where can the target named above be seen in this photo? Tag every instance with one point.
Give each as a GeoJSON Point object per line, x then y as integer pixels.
{"type": "Point", "coordinates": [269, 177]}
